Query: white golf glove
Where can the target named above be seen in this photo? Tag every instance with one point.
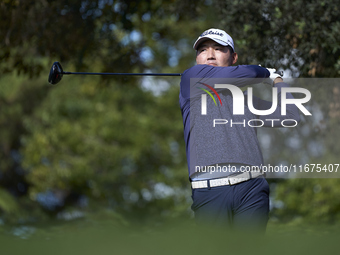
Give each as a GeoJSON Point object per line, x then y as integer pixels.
{"type": "Point", "coordinates": [272, 77]}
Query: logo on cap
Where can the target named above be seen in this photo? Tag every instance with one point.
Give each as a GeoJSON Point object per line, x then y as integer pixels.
{"type": "Point", "coordinates": [210, 32]}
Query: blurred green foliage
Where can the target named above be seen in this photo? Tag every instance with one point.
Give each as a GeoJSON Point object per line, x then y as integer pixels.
{"type": "Point", "coordinates": [92, 144]}
{"type": "Point", "coordinates": [105, 236]}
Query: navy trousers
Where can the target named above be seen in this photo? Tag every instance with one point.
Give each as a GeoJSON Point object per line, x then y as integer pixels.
{"type": "Point", "coordinates": [243, 206]}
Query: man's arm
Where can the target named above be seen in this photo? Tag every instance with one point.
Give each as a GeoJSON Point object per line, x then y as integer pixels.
{"type": "Point", "coordinates": [240, 71]}
{"type": "Point", "coordinates": [240, 76]}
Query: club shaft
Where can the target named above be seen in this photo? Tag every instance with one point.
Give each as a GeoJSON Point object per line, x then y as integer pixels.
{"type": "Point", "coordinates": [131, 74]}
{"type": "Point", "coordinates": [138, 74]}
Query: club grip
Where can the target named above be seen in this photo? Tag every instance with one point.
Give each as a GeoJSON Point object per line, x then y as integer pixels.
{"type": "Point", "coordinates": [280, 73]}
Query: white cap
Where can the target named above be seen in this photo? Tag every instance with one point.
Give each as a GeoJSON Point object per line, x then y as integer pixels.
{"type": "Point", "coordinates": [218, 35]}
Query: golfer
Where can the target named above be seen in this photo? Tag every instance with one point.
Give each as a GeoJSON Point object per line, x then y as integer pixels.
{"type": "Point", "coordinates": [223, 193]}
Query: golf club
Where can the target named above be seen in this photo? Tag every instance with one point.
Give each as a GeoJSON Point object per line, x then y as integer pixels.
{"type": "Point", "coordinates": [56, 73]}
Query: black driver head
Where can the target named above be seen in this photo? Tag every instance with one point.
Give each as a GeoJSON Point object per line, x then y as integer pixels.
{"type": "Point", "coordinates": [56, 73]}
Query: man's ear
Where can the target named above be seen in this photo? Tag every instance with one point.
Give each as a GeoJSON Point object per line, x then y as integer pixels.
{"type": "Point", "coordinates": [234, 58]}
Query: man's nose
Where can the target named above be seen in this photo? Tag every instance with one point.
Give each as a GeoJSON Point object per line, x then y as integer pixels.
{"type": "Point", "coordinates": [211, 54]}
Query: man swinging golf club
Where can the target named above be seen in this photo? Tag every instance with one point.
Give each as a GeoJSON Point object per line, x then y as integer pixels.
{"type": "Point", "coordinates": [233, 198]}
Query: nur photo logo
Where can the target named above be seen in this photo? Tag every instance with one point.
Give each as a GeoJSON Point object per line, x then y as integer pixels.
{"type": "Point", "coordinates": [239, 99]}
{"type": "Point", "coordinates": [204, 97]}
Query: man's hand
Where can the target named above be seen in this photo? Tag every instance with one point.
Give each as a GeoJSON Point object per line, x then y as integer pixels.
{"type": "Point", "coordinates": [274, 77]}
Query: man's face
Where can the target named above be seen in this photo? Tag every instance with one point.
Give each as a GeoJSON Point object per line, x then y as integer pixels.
{"type": "Point", "coordinates": [211, 53]}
